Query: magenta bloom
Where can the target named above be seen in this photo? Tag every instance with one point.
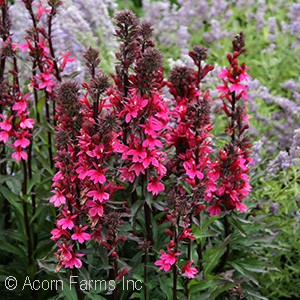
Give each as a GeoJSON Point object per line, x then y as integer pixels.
{"type": "Point", "coordinates": [74, 261]}
{"type": "Point", "coordinates": [80, 235]}
{"type": "Point", "coordinates": [41, 10]}
{"type": "Point", "coordinates": [133, 107]}
{"type": "Point", "coordinates": [188, 271]}
{"type": "Point", "coordinates": [98, 194]}
{"type": "Point", "coordinates": [56, 233]}
{"type": "Point", "coordinates": [167, 260]}
{"type": "Point", "coordinates": [96, 209]}
{"type": "Point", "coordinates": [214, 210]}
{"type": "Point", "coordinates": [26, 123]}
{"type": "Point", "coordinates": [46, 81]}
{"type": "Point", "coordinates": [66, 59]}
{"type": "Point", "coordinates": [22, 142]}
{"type": "Point", "coordinates": [4, 136]}
{"type": "Point", "coordinates": [96, 176]}
{"type": "Point", "coordinates": [6, 124]}
{"type": "Point", "coordinates": [186, 234]}
{"type": "Point", "coordinates": [19, 154]}
{"type": "Point", "coordinates": [67, 221]}
{"type": "Point", "coordinates": [192, 170]}
{"type": "Point", "coordinates": [21, 105]}
{"type": "Point", "coordinates": [58, 199]}
{"type": "Point", "coordinates": [155, 186]}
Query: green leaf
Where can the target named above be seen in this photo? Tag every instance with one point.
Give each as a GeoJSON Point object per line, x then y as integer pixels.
{"type": "Point", "coordinates": [210, 220]}
{"type": "Point", "coordinates": [246, 274]}
{"type": "Point", "coordinates": [36, 177]}
{"type": "Point", "coordinates": [68, 293]}
{"type": "Point", "coordinates": [212, 256]}
{"type": "Point", "coordinates": [7, 247]}
{"type": "Point", "coordinates": [236, 224]}
{"type": "Point", "coordinates": [198, 234]}
{"type": "Point", "coordinates": [255, 294]}
{"type": "Point", "coordinates": [196, 286]}
{"type": "Point", "coordinates": [165, 286]}
{"type": "Point", "coordinates": [134, 210]}
{"type": "Point", "coordinates": [13, 199]}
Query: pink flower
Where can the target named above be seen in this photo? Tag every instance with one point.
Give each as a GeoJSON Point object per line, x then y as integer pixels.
{"type": "Point", "coordinates": [188, 271]}
{"type": "Point", "coordinates": [98, 194]}
{"type": "Point", "coordinates": [66, 59]}
{"type": "Point", "coordinates": [137, 168]}
{"type": "Point", "coordinates": [24, 47]}
{"type": "Point", "coordinates": [67, 222]}
{"type": "Point", "coordinates": [186, 234]}
{"type": "Point", "coordinates": [58, 199]}
{"type": "Point", "coordinates": [152, 143]}
{"type": "Point", "coordinates": [26, 123]}
{"type": "Point", "coordinates": [96, 176]}
{"type": "Point", "coordinates": [82, 171]}
{"type": "Point", "coordinates": [6, 124]}
{"type": "Point", "coordinates": [138, 154]}
{"type": "Point", "coordinates": [4, 136]}
{"type": "Point", "coordinates": [163, 265]}
{"type": "Point", "coordinates": [214, 210]}
{"type": "Point", "coordinates": [192, 170]}
{"type": "Point", "coordinates": [21, 104]}
{"type": "Point", "coordinates": [80, 235]}
{"type": "Point", "coordinates": [97, 152]}
{"type": "Point", "coordinates": [224, 73]}
{"type": "Point", "coordinates": [132, 108]}
{"type": "Point", "coordinates": [96, 209]}
{"type": "Point", "coordinates": [46, 81]}
{"type": "Point", "coordinates": [74, 261]}
{"type": "Point", "coordinates": [241, 206]}
{"type": "Point", "coordinates": [152, 127]}
{"type": "Point", "coordinates": [238, 87]}
{"type": "Point", "coordinates": [64, 252]}
{"type": "Point", "coordinates": [167, 260]}
{"type": "Point", "coordinates": [222, 88]}
{"type": "Point", "coordinates": [126, 174]}
{"type": "Point", "coordinates": [19, 154]}
{"type": "Point", "coordinates": [56, 233]}
{"type": "Point", "coordinates": [41, 10]}
{"type": "Point", "coordinates": [44, 51]}
{"type": "Point", "coordinates": [155, 186]}
{"type": "Point", "coordinates": [22, 142]}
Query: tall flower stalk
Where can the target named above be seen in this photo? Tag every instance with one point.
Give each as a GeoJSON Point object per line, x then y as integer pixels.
{"type": "Point", "coordinates": [234, 159]}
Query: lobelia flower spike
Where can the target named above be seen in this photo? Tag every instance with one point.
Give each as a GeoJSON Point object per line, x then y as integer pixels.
{"type": "Point", "coordinates": [66, 182]}
{"type": "Point", "coordinates": [97, 136]}
{"type": "Point", "coordinates": [234, 159]}
{"type": "Point", "coordinates": [15, 124]}
{"type": "Point", "coordinates": [189, 136]}
{"type": "Point", "coordinates": [138, 102]}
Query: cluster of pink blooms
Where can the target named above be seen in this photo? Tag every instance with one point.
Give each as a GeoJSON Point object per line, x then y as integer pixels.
{"type": "Point", "coordinates": [167, 260]}
{"type": "Point", "coordinates": [84, 184]}
{"type": "Point", "coordinates": [65, 182]}
{"type": "Point", "coordinates": [129, 133]}
{"type": "Point", "coordinates": [234, 159]}
{"type": "Point", "coordinates": [14, 120]}
{"type": "Point", "coordinates": [144, 149]}
{"type": "Point", "coordinates": [38, 44]}
{"type": "Point", "coordinates": [188, 135]}
{"type": "Point", "coordinates": [170, 259]}
{"type": "Point", "coordinates": [18, 127]}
